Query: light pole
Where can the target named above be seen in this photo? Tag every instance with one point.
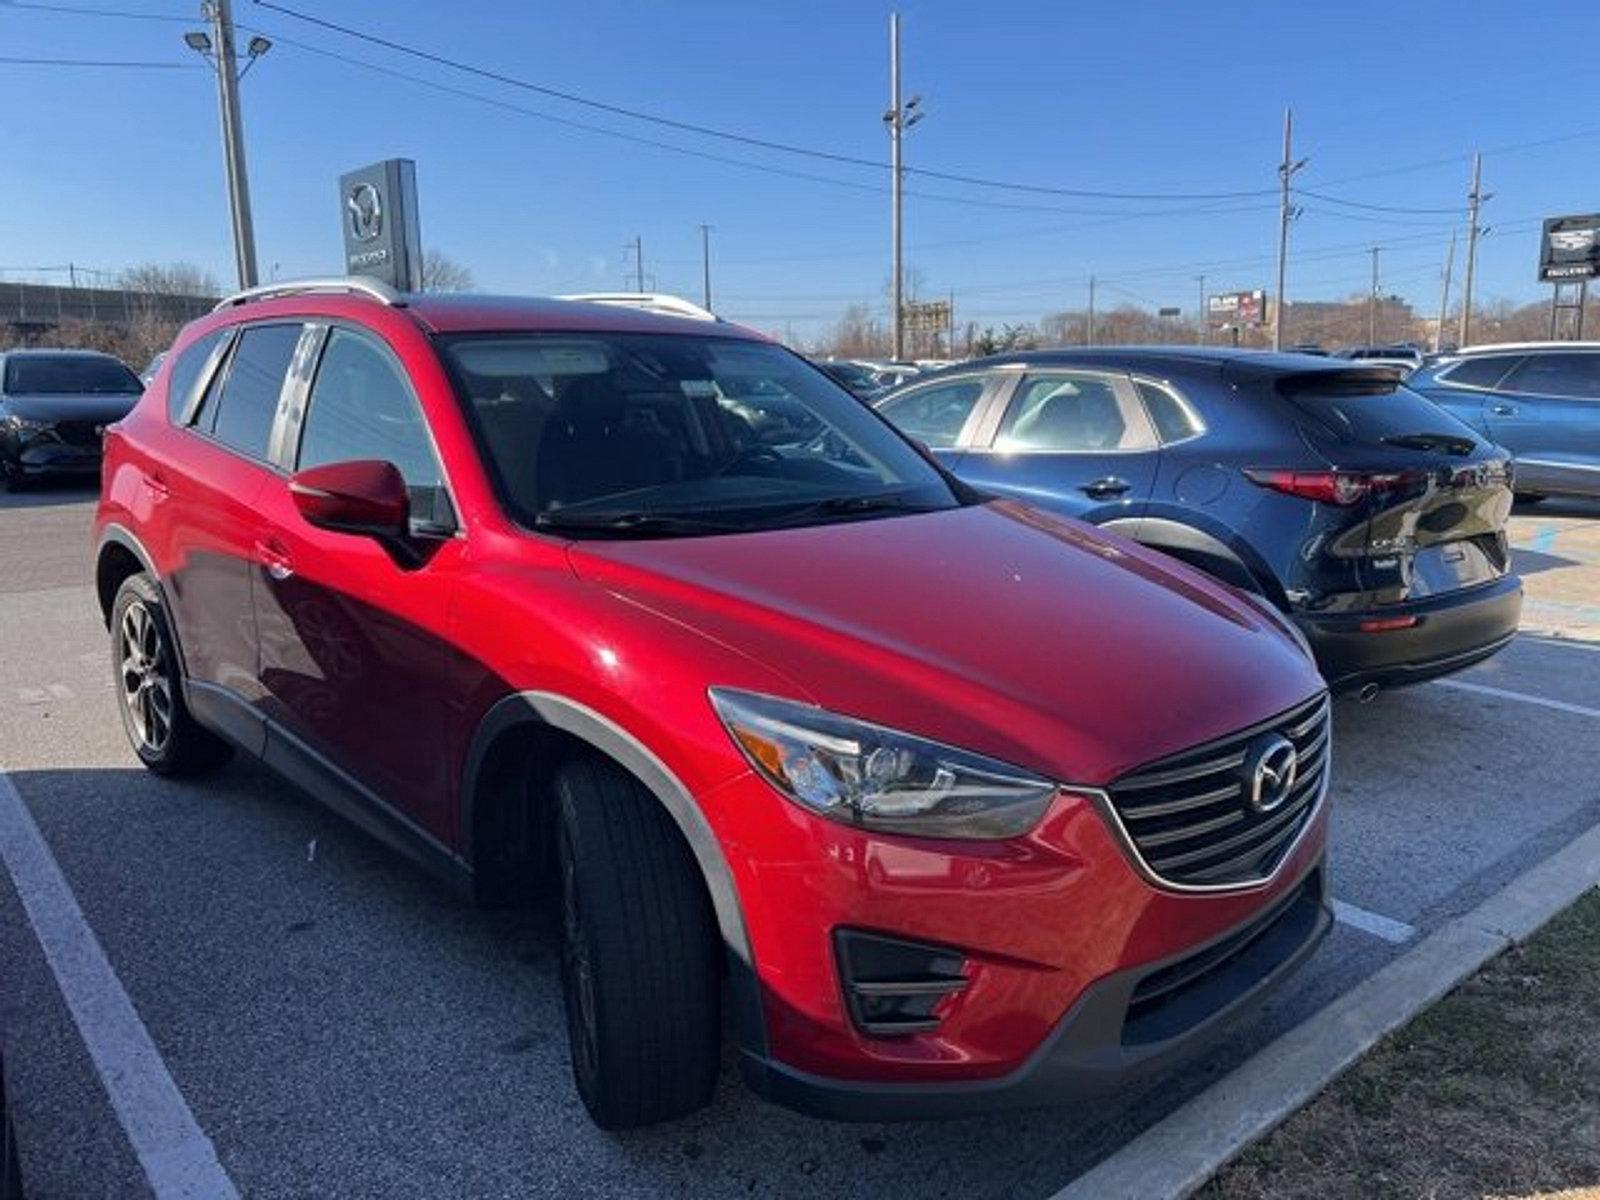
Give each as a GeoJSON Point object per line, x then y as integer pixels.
{"type": "Point", "coordinates": [1372, 302]}
{"type": "Point", "coordinates": [899, 118]}
{"type": "Point", "coordinates": [1286, 213]}
{"type": "Point", "coordinates": [218, 49]}
{"type": "Point", "coordinates": [1475, 201]}
{"type": "Point", "coordinates": [1200, 336]}
{"type": "Point", "coordinates": [1444, 295]}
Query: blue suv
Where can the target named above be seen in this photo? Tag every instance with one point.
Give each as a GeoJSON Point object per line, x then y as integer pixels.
{"type": "Point", "coordinates": [1371, 518]}
{"type": "Point", "coordinates": [1541, 401]}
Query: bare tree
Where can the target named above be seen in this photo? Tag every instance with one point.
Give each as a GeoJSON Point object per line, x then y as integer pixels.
{"type": "Point", "coordinates": [168, 279]}
{"type": "Point", "coordinates": [441, 273]}
{"type": "Point", "coordinates": [858, 334]}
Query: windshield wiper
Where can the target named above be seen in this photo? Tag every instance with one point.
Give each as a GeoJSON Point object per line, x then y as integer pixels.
{"type": "Point", "coordinates": [629, 523]}
{"type": "Point", "coordinates": [1450, 443]}
{"type": "Point", "coordinates": [842, 506]}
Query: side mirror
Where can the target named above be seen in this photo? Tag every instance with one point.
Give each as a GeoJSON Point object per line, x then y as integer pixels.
{"type": "Point", "coordinates": [367, 498]}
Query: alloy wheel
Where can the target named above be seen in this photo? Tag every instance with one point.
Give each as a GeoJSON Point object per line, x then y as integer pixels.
{"type": "Point", "coordinates": [145, 679]}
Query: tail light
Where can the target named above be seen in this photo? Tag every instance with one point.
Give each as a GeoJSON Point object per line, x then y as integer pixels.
{"type": "Point", "coordinates": [1333, 487]}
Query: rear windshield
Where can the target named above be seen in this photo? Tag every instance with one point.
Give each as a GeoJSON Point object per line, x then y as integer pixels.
{"type": "Point", "coordinates": [1368, 409]}
{"type": "Point", "coordinates": [68, 374]}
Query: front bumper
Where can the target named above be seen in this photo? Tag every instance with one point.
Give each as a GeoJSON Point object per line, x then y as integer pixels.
{"type": "Point", "coordinates": [1125, 1028]}
{"type": "Point", "coordinates": [1453, 631]}
{"type": "Point", "coordinates": [40, 458]}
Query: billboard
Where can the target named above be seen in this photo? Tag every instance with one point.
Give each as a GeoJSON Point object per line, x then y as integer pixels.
{"type": "Point", "coordinates": [1570, 248]}
{"type": "Point", "coordinates": [378, 208]}
{"type": "Point", "coordinates": [1235, 309]}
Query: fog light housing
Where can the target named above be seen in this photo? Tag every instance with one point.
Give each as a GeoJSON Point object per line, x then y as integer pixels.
{"type": "Point", "coordinates": [892, 986]}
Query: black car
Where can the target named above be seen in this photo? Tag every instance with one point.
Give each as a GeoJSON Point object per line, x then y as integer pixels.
{"type": "Point", "coordinates": [1369, 516]}
{"type": "Point", "coordinates": [54, 405]}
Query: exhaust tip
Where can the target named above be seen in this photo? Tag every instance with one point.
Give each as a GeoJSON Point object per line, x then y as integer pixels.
{"type": "Point", "coordinates": [1367, 694]}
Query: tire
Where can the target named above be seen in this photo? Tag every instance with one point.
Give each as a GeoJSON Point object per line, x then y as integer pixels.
{"type": "Point", "coordinates": [149, 687]}
{"type": "Point", "coordinates": [639, 952]}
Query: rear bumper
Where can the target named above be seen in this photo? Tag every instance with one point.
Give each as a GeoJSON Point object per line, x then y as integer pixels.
{"type": "Point", "coordinates": [1128, 1026]}
{"type": "Point", "coordinates": [1453, 631]}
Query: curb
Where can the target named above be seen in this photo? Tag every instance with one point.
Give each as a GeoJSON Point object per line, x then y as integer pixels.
{"type": "Point", "coordinates": [1176, 1156]}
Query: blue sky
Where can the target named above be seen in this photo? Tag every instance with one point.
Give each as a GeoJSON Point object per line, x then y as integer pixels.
{"type": "Point", "coordinates": [106, 168]}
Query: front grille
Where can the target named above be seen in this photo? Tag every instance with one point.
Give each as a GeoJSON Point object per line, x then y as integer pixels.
{"type": "Point", "coordinates": [1191, 818]}
{"type": "Point", "coordinates": [78, 433]}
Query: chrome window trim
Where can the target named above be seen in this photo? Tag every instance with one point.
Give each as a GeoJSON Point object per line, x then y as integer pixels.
{"type": "Point", "coordinates": [1442, 377]}
{"type": "Point", "coordinates": [1127, 399]}
{"type": "Point", "coordinates": [233, 344]}
{"type": "Point", "coordinates": [1183, 402]}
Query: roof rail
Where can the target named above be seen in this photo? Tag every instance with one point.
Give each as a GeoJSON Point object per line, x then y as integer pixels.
{"type": "Point", "coordinates": [363, 285]}
{"type": "Point", "coordinates": [656, 302]}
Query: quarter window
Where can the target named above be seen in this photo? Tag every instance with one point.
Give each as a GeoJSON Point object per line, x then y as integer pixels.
{"type": "Point", "coordinates": [1174, 420]}
{"type": "Point", "coordinates": [935, 414]}
{"type": "Point", "coordinates": [362, 407]}
{"type": "Point", "coordinates": [241, 415]}
{"type": "Point", "coordinates": [1566, 374]}
{"type": "Point", "coordinates": [186, 371]}
{"type": "Point", "coordinates": [1071, 413]}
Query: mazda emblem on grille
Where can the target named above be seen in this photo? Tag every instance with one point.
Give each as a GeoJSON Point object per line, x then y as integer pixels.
{"type": "Point", "coordinates": [1270, 767]}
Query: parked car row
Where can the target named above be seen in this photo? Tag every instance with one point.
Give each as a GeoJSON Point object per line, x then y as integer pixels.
{"type": "Point", "coordinates": [975, 745]}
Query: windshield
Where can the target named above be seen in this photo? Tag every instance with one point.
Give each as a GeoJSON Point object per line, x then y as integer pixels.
{"type": "Point", "coordinates": [68, 374]}
{"type": "Point", "coordinates": [644, 435]}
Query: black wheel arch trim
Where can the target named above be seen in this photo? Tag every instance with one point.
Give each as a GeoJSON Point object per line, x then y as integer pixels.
{"type": "Point", "coordinates": [1180, 537]}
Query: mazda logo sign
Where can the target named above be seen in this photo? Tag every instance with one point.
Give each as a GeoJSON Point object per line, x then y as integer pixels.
{"type": "Point", "coordinates": [1270, 767]}
{"type": "Point", "coordinates": [364, 209]}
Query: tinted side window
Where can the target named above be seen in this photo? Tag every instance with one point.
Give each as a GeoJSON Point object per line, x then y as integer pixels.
{"type": "Point", "coordinates": [362, 407]}
{"type": "Point", "coordinates": [935, 414]}
{"type": "Point", "coordinates": [1071, 414]}
{"type": "Point", "coordinates": [241, 415]}
{"type": "Point", "coordinates": [1174, 420]}
{"type": "Point", "coordinates": [1576, 375]}
{"type": "Point", "coordinates": [1482, 372]}
{"type": "Point", "coordinates": [185, 374]}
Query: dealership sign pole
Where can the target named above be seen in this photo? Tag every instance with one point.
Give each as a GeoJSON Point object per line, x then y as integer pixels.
{"type": "Point", "coordinates": [1569, 256]}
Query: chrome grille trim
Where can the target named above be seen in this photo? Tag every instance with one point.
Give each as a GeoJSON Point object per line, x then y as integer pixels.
{"type": "Point", "coordinates": [1213, 840]}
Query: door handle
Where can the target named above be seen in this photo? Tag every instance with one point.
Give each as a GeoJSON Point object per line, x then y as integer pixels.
{"type": "Point", "coordinates": [1504, 410]}
{"type": "Point", "coordinates": [275, 559]}
{"type": "Point", "coordinates": [157, 487]}
{"type": "Point", "coordinates": [1101, 489]}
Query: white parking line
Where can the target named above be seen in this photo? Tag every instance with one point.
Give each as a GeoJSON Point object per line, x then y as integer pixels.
{"type": "Point", "coordinates": [178, 1159]}
{"type": "Point", "coordinates": [1566, 643]}
{"type": "Point", "coordinates": [1387, 928]}
{"type": "Point", "coordinates": [1542, 701]}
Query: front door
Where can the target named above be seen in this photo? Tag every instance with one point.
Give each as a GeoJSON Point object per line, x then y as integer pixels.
{"type": "Point", "coordinates": [354, 662]}
{"type": "Point", "coordinates": [1076, 442]}
{"type": "Point", "coordinates": [1547, 413]}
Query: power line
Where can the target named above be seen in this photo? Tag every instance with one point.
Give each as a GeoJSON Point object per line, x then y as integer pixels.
{"type": "Point", "coordinates": [97, 62]}
{"type": "Point", "coordinates": [1388, 208]}
{"type": "Point", "coordinates": [740, 138]}
{"type": "Point", "coordinates": [77, 10]}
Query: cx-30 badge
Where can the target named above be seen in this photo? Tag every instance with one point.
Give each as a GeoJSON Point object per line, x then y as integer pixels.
{"type": "Point", "coordinates": [1270, 767]}
{"type": "Point", "coordinates": [364, 207]}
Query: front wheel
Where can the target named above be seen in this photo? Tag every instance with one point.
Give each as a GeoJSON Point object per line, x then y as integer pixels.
{"type": "Point", "coordinates": [164, 735]}
{"type": "Point", "coordinates": [638, 952]}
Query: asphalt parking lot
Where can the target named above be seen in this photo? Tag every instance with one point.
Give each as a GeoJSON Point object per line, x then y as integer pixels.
{"type": "Point", "coordinates": [340, 1025]}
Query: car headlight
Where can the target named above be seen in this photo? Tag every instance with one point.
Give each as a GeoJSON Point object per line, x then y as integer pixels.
{"type": "Point", "coordinates": [28, 425]}
{"type": "Point", "coordinates": [877, 778]}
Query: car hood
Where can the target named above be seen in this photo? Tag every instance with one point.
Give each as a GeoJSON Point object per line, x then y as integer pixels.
{"type": "Point", "coordinates": [98, 407]}
{"type": "Point", "coordinates": [1032, 638]}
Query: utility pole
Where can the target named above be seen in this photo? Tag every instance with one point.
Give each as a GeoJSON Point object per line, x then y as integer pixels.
{"type": "Point", "coordinates": [1200, 325]}
{"type": "Point", "coordinates": [950, 318]}
{"type": "Point", "coordinates": [1088, 339]}
{"type": "Point", "coordinates": [1444, 296]}
{"type": "Point", "coordinates": [705, 264]}
{"type": "Point", "coordinates": [899, 118]}
{"type": "Point", "coordinates": [226, 63]}
{"type": "Point", "coordinates": [1372, 303]}
{"type": "Point", "coordinates": [1475, 199]}
{"type": "Point", "coordinates": [1286, 213]}
{"type": "Point", "coordinates": [637, 246]}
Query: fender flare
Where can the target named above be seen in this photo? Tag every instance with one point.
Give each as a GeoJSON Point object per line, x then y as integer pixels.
{"type": "Point", "coordinates": [547, 709]}
{"type": "Point", "coordinates": [1185, 540]}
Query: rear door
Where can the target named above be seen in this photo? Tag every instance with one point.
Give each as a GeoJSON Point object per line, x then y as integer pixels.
{"type": "Point", "coordinates": [1465, 388]}
{"type": "Point", "coordinates": [1547, 412]}
{"type": "Point", "coordinates": [1436, 495]}
{"type": "Point", "coordinates": [209, 499]}
{"type": "Point", "coordinates": [1074, 441]}
{"type": "Point", "coordinates": [942, 414]}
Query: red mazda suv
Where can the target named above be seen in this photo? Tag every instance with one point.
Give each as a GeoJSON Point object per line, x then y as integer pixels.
{"type": "Point", "coordinates": [959, 803]}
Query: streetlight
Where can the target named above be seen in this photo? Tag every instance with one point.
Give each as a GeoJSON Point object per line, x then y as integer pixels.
{"type": "Point", "coordinates": [217, 48]}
